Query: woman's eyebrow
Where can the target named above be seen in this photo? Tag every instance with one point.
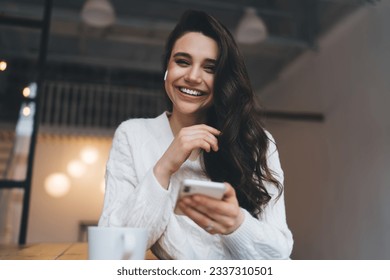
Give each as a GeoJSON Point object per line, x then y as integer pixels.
{"type": "Point", "coordinates": [182, 54]}
{"type": "Point", "coordinates": [187, 55]}
{"type": "Point", "coordinates": [210, 60]}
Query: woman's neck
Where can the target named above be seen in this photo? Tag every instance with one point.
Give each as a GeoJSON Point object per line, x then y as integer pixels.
{"type": "Point", "coordinates": [178, 121]}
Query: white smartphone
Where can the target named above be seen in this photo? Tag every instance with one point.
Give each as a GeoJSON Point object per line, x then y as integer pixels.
{"type": "Point", "coordinates": [191, 187]}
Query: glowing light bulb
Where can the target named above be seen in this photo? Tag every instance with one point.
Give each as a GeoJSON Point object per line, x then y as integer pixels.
{"type": "Point", "coordinates": [26, 92]}
{"type": "Point", "coordinates": [89, 155]}
{"type": "Point", "coordinates": [57, 184]}
{"type": "Point", "coordinates": [26, 111]}
{"type": "Point", "coordinates": [3, 65]}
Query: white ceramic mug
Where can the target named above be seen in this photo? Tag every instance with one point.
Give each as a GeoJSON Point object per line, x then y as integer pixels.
{"type": "Point", "coordinates": [117, 243]}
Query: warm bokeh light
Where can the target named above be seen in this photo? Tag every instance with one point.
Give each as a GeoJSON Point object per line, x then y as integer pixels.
{"type": "Point", "coordinates": [76, 168]}
{"type": "Point", "coordinates": [26, 92]}
{"type": "Point", "coordinates": [26, 111]}
{"type": "Point", "coordinates": [57, 184]}
{"type": "Point", "coordinates": [3, 65]}
{"type": "Point", "coordinates": [89, 155]}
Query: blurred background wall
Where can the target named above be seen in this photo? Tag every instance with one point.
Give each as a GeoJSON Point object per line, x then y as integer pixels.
{"type": "Point", "coordinates": [337, 172]}
{"type": "Point", "coordinates": [59, 215]}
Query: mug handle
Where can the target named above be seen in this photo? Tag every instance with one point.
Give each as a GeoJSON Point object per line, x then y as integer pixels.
{"type": "Point", "coordinates": [129, 243]}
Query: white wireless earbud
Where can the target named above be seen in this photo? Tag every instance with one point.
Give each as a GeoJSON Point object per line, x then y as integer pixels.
{"type": "Point", "coordinates": [165, 75]}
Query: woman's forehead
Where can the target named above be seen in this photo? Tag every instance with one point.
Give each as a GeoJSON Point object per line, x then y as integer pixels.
{"type": "Point", "coordinates": [196, 44]}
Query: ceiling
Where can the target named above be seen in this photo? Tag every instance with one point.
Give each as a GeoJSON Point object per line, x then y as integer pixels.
{"type": "Point", "coordinates": [130, 50]}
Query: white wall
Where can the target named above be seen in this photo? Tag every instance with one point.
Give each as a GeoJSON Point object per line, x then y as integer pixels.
{"type": "Point", "coordinates": [338, 172]}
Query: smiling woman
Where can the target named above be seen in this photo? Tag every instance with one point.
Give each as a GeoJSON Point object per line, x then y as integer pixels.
{"type": "Point", "coordinates": [211, 131]}
{"type": "Point", "coordinates": [190, 79]}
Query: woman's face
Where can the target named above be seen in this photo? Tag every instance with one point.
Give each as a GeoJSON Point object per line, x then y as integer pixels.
{"type": "Point", "coordinates": [190, 78]}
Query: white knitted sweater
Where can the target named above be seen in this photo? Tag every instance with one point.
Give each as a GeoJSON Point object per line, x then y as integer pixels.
{"type": "Point", "coordinates": [134, 198]}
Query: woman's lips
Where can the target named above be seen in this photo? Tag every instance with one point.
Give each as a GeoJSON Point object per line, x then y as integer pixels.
{"type": "Point", "coordinates": [192, 92]}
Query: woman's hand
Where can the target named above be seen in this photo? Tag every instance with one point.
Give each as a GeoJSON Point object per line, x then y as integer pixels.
{"type": "Point", "coordinates": [187, 140]}
{"type": "Point", "coordinates": [215, 216]}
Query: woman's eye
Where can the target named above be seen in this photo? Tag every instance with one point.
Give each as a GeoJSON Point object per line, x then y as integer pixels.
{"type": "Point", "coordinates": [182, 62]}
{"type": "Point", "coordinates": [210, 68]}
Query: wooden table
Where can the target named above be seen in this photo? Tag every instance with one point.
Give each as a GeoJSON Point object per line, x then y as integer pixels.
{"type": "Point", "coordinates": [50, 251]}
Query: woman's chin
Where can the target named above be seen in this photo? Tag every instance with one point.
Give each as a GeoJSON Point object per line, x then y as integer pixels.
{"type": "Point", "coordinates": [191, 109]}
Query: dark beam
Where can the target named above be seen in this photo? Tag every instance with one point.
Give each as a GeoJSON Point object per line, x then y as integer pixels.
{"type": "Point", "coordinates": [21, 22]}
{"type": "Point", "coordinates": [10, 184]}
{"type": "Point", "coordinates": [45, 32]}
{"type": "Point", "coordinates": [295, 116]}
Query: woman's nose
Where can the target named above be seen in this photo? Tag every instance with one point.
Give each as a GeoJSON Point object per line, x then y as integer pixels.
{"type": "Point", "coordinates": [193, 75]}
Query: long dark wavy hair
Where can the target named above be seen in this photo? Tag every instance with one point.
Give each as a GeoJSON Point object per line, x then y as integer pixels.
{"type": "Point", "coordinates": [241, 158]}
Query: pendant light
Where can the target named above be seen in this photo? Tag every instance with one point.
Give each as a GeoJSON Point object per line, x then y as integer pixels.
{"type": "Point", "coordinates": [98, 13]}
{"type": "Point", "coordinates": [251, 29]}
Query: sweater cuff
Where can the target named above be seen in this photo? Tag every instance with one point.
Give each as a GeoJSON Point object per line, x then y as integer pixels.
{"type": "Point", "coordinates": [153, 191]}
{"type": "Point", "coordinates": [244, 234]}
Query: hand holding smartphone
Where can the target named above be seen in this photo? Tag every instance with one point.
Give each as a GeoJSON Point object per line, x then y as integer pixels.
{"type": "Point", "coordinates": [190, 187]}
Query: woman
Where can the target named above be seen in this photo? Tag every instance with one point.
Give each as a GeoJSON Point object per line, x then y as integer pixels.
{"type": "Point", "coordinates": [211, 132]}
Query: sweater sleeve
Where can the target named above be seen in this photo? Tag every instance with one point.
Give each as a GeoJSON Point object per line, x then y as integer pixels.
{"type": "Point", "coordinates": [133, 199]}
{"type": "Point", "coordinates": [267, 236]}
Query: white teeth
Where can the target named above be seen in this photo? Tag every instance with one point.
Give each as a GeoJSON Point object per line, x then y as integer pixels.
{"type": "Point", "coordinates": [191, 92]}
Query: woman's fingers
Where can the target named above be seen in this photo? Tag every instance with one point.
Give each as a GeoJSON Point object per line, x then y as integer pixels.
{"type": "Point", "coordinates": [199, 218]}
{"type": "Point", "coordinates": [198, 136]}
{"type": "Point", "coordinates": [224, 216]}
{"type": "Point", "coordinates": [186, 141]}
{"type": "Point", "coordinates": [204, 127]}
{"type": "Point", "coordinates": [203, 140]}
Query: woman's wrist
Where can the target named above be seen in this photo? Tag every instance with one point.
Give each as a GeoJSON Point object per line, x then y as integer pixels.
{"type": "Point", "coordinates": [240, 219]}
{"type": "Point", "coordinates": [162, 175]}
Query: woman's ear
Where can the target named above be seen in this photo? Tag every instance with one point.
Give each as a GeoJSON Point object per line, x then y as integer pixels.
{"type": "Point", "coordinates": [165, 75]}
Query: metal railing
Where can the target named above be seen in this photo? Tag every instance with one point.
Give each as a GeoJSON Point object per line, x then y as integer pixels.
{"type": "Point", "coordinates": [94, 107]}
